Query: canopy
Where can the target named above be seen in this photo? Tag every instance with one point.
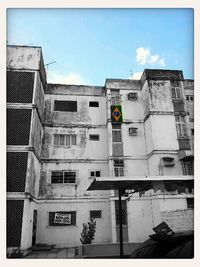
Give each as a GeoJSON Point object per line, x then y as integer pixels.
{"type": "Point", "coordinates": [138, 183]}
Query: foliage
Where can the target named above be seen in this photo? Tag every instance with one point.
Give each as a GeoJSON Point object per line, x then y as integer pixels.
{"type": "Point", "coordinates": [88, 232]}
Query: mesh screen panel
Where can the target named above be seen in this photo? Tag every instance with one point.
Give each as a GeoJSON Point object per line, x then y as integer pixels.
{"type": "Point", "coordinates": [14, 222]}
{"type": "Point", "coordinates": [16, 171]}
{"type": "Point", "coordinates": [20, 87]}
{"type": "Point", "coordinates": [18, 126]}
{"type": "Point", "coordinates": [124, 212]}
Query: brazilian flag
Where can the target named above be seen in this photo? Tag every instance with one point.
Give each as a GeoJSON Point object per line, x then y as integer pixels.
{"type": "Point", "coordinates": [116, 113]}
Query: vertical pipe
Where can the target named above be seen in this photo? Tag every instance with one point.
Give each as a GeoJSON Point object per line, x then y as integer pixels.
{"type": "Point", "coordinates": [120, 224]}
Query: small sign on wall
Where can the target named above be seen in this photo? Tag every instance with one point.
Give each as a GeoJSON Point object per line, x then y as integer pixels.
{"type": "Point", "coordinates": [62, 218]}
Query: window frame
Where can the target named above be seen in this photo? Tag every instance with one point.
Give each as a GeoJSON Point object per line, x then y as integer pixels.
{"type": "Point", "coordinates": [96, 135]}
{"type": "Point", "coordinates": [69, 102]}
{"type": "Point", "coordinates": [181, 128]}
{"type": "Point", "coordinates": [99, 216]}
{"type": "Point", "coordinates": [95, 171]}
{"type": "Point", "coordinates": [116, 133]}
{"type": "Point", "coordinates": [72, 140]}
{"type": "Point", "coordinates": [94, 102]}
{"type": "Point", "coordinates": [119, 167]}
{"type": "Point", "coordinates": [62, 177]}
{"type": "Point", "coordinates": [187, 166]}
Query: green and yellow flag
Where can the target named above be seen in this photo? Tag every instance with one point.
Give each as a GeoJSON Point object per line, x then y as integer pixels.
{"type": "Point", "coordinates": [116, 113]}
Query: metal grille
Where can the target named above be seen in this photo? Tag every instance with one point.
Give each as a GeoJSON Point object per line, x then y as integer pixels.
{"type": "Point", "coordinates": [14, 222]}
{"type": "Point", "coordinates": [16, 171]}
{"type": "Point", "coordinates": [20, 87]}
{"type": "Point", "coordinates": [71, 220]}
{"type": "Point", "coordinates": [124, 212]}
{"type": "Point", "coordinates": [18, 126]}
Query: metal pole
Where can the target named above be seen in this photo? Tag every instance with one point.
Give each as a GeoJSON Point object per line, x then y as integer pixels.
{"type": "Point", "coordinates": [120, 224]}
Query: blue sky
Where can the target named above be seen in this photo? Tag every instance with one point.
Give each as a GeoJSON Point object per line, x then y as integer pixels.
{"type": "Point", "coordinates": [90, 45]}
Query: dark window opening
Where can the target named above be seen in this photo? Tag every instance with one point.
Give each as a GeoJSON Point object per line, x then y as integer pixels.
{"type": "Point", "coordinates": [93, 104]}
{"type": "Point", "coordinates": [190, 203]}
{"type": "Point", "coordinates": [94, 137]}
{"type": "Point", "coordinates": [192, 131]}
{"type": "Point", "coordinates": [69, 106]}
{"type": "Point", "coordinates": [95, 174]}
{"type": "Point", "coordinates": [95, 214]}
{"type": "Point", "coordinates": [187, 166]}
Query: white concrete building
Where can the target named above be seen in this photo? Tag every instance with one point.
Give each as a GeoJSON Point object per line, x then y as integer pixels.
{"type": "Point", "coordinates": [59, 137]}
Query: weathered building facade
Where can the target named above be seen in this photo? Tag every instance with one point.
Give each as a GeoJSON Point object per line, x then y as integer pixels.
{"type": "Point", "coordinates": [59, 137]}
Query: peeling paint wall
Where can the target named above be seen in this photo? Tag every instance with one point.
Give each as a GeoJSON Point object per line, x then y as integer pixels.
{"type": "Point", "coordinates": [49, 190]}
{"type": "Point", "coordinates": [160, 96]}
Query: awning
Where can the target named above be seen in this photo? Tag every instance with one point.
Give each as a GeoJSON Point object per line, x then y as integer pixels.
{"type": "Point", "coordinates": [139, 183]}
{"type": "Point", "coordinates": [185, 153]}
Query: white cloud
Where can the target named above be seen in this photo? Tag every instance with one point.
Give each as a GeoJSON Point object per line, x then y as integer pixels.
{"type": "Point", "coordinates": [70, 78]}
{"type": "Point", "coordinates": [136, 76]}
{"type": "Point", "coordinates": [143, 56]}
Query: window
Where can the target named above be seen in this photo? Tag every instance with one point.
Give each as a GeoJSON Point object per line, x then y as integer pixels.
{"type": "Point", "coordinates": [116, 133]}
{"type": "Point", "coordinates": [63, 177]}
{"type": "Point", "coordinates": [115, 97]}
{"type": "Point", "coordinates": [62, 218]}
{"type": "Point", "coordinates": [95, 174]}
{"type": "Point", "coordinates": [192, 131]}
{"type": "Point", "coordinates": [118, 167]}
{"type": "Point", "coordinates": [64, 140]}
{"type": "Point", "coordinates": [187, 166]}
{"type": "Point", "coordinates": [190, 203]}
{"type": "Point", "coordinates": [95, 214]}
{"type": "Point", "coordinates": [94, 137]}
{"type": "Point", "coordinates": [180, 126]}
{"type": "Point", "coordinates": [94, 104]}
{"type": "Point", "coordinates": [176, 90]}
{"type": "Point", "coordinates": [190, 97]}
{"type": "Point", "coordinates": [68, 106]}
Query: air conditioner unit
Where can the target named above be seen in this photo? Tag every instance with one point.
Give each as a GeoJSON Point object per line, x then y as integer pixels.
{"type": "Point", "coordinates": [168, 161]}
{"type": "Point", "coordinates": [133, 131]}
{"type": "Point", "coordinates": [132, 96]}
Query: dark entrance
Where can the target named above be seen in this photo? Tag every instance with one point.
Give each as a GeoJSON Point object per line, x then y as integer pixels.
{"type": "Point", "coordinates": [34, 227]}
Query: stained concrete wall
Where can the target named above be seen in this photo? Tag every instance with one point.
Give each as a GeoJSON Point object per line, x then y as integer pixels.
{"type": "Point", "coordinates": [85, 148]}
{"type": "Point", "coordinates": [156, 165]}
{"type": "Point", "coordinates": [26, 58]}
{"type": "Point", "coordinates": [36, 133]}
{"type": "Point", "coordinates": [48, 190]}
{"type": "Point", "coordinates": [38, 99]}
{"type": "Point", "coordinates": [32, 175]}
{"type": "Point", "coordinates": [84, 114]}
{"type": "Point", "coordinates": [68, 236]}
